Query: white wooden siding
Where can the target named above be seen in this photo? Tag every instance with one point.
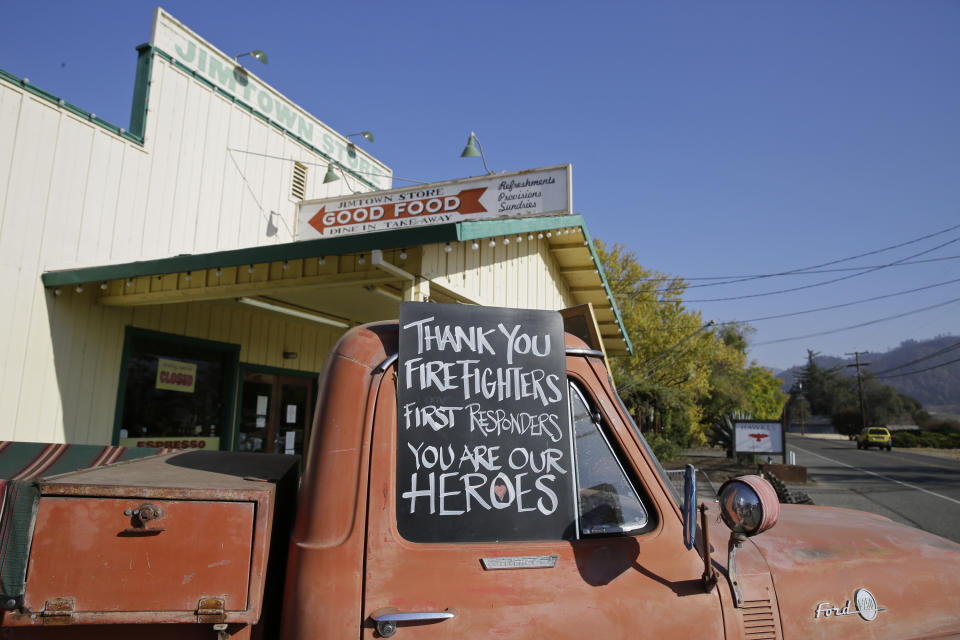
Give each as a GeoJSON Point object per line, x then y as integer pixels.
{"type": "Point", "coordinates": [209, 176]}
{"type": "Point", "coordinates": [72, 398]}
{"type": "Point", "coordinates": [520, 274]}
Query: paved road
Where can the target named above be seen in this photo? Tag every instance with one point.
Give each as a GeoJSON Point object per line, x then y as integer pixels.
{"type": "Point", "coordinates": [915, 489]}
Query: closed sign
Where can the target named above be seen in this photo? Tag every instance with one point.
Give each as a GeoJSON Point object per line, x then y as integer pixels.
{"type": "Point", "coordinates": [175, 375]}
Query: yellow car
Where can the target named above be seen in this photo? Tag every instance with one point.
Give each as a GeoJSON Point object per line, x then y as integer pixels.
{"type": "Point", "coordinates": [874, 437]}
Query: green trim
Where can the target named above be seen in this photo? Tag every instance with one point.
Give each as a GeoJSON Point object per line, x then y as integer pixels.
{"type": "Point", "coordinates": [121, 389]}
{"type": "Point", "coordinates": [141, 91]}
{"type": "Point", "coordinates": [24, 84]}
{"type": "Point", "coordinates": [474, 229]}
{"type": "Point", "coordinates": [230, 375]}
{"type": "Point", "coordinates": [342, 245]}
{"type": "Point", "coordinates": [141, 96]}
{"type": "Point", "coordinates": [606, 286]}
{"type": "Point", "coordinates": [279, 127]}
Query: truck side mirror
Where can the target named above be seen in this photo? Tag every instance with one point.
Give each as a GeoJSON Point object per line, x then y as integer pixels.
{"type": "Point", "coordinates": [748, 505]}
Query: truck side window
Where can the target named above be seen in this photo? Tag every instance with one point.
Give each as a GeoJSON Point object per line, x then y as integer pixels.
{"type": "Point", "coordinates": [608, 501]}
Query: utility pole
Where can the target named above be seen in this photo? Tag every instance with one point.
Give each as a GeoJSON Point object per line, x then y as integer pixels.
{"type": "Point", "coordinates": [800, 386]}
{"type": "Point", "coordinates": [863, 410]}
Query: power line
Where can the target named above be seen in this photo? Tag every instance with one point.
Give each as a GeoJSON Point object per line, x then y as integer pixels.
{"type": "Point", "coordinates": [812, 271]}
{"type": "Point", "coordinates": [862, 324]}
{"type": "Point", "coordinates": [840, 306]}
{"type": "Point", "coordinates": [824, 282]}
{"type": "Point", "coordinates": [927, 357]}
{"type": "Point", "coordinates": [324, 165]}
{"type": "Point", "coordinates": [802, 270]}
{"type": "Point", "coordinates": [910, 373]}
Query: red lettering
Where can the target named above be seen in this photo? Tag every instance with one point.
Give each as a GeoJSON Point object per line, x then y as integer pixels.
{"type": "Point", "coordinates": [173, 444]}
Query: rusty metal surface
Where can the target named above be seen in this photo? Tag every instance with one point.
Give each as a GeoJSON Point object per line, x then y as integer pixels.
{"type": "Point", "coordinates": [127, 632]}
{"type": "Point", "coordinates": [613, 582]}
{"type": "Point", "coordinates": [59, 611]}
{"type": "Point", "coordinates": [824, 555]}
{"type": "Point", "coordinates": [211, 610]}
{"type": "Point", "coordinates": [207, 470]}
{"type": "Point", "coordinates": [328, 539]}
{"type": "Point", "coordinates": [81, 549]}
{"type": "Point", "coordinates": [209, 519]}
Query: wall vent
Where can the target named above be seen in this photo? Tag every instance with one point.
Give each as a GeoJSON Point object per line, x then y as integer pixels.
{"type": "Point", "coordinates": [298, 186]}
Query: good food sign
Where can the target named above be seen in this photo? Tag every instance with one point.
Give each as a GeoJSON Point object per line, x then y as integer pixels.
{"type": "Point", "coordinates": [525, 193]}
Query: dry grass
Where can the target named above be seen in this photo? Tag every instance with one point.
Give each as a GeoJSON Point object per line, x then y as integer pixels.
{"type": "Point", "coordinates": [718, 470]}
{"type": "Point", "coordinates": [953, 454]}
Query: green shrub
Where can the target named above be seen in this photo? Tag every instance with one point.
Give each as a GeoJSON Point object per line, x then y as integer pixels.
{"type": "Point", "coordinates": [935, 440]}
{"type": "Point", "coordinates": [665, 450]}
{"type": "Point", "coordinates": [904, 439]}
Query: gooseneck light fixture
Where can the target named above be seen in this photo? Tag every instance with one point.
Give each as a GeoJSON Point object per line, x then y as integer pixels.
{"type": "Point", "coordinates": [253, 53]}
{"type": "Point", "coordinates": [351, 146]}
{"type": "Point", "coordinates": [474, 149]}
{"type": "Point", "coordinates": [366, 135]}
{"type": "Point", "coordinates": [331, 175]}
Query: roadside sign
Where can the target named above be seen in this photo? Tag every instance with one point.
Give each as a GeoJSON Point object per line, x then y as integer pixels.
{"type": "Point", "coordinates": [758, 436]}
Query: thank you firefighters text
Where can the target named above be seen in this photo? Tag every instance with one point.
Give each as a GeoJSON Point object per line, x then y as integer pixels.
{"type": "Point", "coordinates": [484, 448]}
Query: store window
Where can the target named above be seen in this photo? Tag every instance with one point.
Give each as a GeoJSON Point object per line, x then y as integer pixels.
{"type": "Point", "coordinates": [176, 392]}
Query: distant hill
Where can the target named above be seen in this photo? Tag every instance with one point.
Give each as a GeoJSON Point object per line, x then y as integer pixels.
{"type": "Point", "coordinates": [937, 388]}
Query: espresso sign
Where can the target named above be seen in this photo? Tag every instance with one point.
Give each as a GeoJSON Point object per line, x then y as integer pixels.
{"type": "Point", "coordinates": [484, 447]}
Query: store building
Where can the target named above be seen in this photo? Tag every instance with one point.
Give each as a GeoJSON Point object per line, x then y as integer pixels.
{"type": "Point", "coordinates": [159, 292]}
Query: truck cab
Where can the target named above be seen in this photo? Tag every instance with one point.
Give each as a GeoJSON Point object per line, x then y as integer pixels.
{"type": "Point", "coordinates": [622, 570]}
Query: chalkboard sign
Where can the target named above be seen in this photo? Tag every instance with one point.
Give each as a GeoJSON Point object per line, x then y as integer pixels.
{"type": "Point", "coordinates": [484, 446]}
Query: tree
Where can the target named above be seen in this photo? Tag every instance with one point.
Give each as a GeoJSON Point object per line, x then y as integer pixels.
{"type": "Point", "coordinates": [765, 398]}
{"type": "Point", "coordinates": [823, 388]}
{"type": "Point", "coordinates": [685, 373]}
{"type": "Point", "coordinates": [661, 381]}
{"type": "Point", "coordinates": [833, 394]}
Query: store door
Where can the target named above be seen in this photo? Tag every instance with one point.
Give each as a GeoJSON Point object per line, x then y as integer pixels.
{"type": "Point", "coordinates": [276, 412]}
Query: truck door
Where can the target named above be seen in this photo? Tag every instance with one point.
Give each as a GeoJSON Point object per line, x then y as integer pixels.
{"type": "Point", "coordinates": [624, 571]}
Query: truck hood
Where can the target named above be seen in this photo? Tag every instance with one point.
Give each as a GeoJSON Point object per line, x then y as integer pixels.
{"type": "Point", "coordinates": [820, 558]}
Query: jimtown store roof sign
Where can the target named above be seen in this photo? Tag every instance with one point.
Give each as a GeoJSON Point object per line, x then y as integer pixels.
{"type": "Point", "coordinates": [535, 192]}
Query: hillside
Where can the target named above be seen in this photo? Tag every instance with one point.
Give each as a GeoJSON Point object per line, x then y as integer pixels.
{"type": "Point", "coordinates": [937, 387]}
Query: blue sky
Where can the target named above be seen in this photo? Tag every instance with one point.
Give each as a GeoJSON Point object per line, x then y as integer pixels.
{"type": "Point", "coordinates": [712, 139]}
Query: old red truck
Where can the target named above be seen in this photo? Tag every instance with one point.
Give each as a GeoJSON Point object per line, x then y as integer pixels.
{"type": "Point", "coordinates": [472, 473]}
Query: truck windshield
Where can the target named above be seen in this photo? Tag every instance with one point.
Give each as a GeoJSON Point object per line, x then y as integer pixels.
{"type": "Point", "coordinates": [671, 490]}
{"type": "Point", "coordinates": [608, 502]}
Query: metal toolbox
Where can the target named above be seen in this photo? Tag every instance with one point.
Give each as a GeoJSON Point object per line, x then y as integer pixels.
{"type": "Point", "coordinates": [183, 537]}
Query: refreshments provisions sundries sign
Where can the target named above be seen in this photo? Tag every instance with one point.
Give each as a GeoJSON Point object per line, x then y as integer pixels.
{"type": "Point", "coordinates": [484, 446]}
{"type": "Point", "coordinates": [524, 193]}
